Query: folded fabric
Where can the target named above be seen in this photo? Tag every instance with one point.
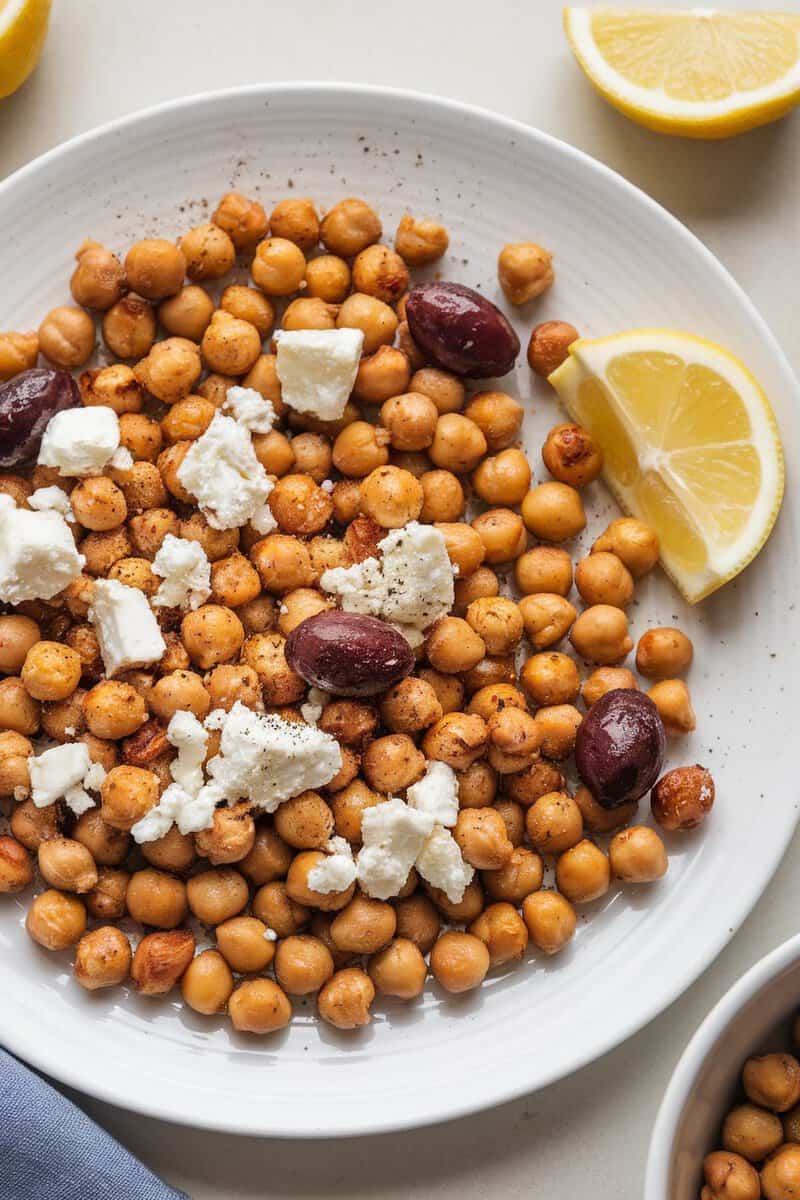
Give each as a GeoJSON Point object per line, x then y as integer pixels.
{"type": "Point", "coordinates": [50, 1150]}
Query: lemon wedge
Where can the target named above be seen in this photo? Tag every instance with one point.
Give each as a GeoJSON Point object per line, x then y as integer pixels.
{"type": "Point", "coordinates": [690, 443]}
{"type": "Point", "coordinates": [23, 28]}
{"type": "Point", "coordinates": [696, 73]}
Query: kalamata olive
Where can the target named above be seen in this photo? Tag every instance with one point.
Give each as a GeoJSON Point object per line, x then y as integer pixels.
{"type": "Point", "coordinates": [27, 402]}
{"type": "Point", "coordinates": [461, 331]}
{"type": "Point", "coordinates": [619, 748]}
{"type": "Point", "coordinates": [348, 654]}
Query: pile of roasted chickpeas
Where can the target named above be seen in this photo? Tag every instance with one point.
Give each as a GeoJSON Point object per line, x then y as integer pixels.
{"type": "Point", "coordinates": [413, 444]}
{"type": "Point", "coordinates": [760, 1155]}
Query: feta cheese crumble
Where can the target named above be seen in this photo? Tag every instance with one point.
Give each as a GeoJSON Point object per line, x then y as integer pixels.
{"type": "Point", "coordinates": [186, 574]}
{"type": "Point", "coordinates": [190, 739]}
{"type": "Point", "coordinates": [337, 871]}
{"type": "Point", "coordinates": [126, 629]}
{"type": "Point", "coordinates": [180, 803]}
{"type": "Point", "coordinates": [80, 441]}
{"type": "Point", "coordinates": [249, 409]}
{"type": "Point", "coordinates": [442, 865]}
{"type": "Point", "coordinates": [38, 557]}
{"type": "Point", "coordinates": [223, 474]}
{"type": "Point", "coordinates": [52, 499]}
{"type": "Point", "coordinates": [411, 585]}
{"type": "Point", "coordinates": [314, 705]}
{"type": "Point", "coordinates": [121, 459]}
{"type": "Point", "coordinates": [64, 773]}
{"type": "Point", "coordinates": [436, 793]}
{"type": "Point", "coordinates": [317, 369]}
{"type": "Point", "coordinates": [393, 835]}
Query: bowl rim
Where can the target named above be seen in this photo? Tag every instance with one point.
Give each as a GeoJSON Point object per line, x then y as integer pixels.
{"type": "Point", "coordinates": [696, 1054]}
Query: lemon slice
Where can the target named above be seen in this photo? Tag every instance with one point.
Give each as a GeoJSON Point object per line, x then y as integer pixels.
{"type": "Point", "coordinates": [690, 443]}
{"type": "Point", "coordinates": [696, 73]}
{"type": "Point", "coordinates": [23, 28]}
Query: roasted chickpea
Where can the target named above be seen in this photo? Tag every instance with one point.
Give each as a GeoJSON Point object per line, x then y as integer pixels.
{"type": "Point", "coordinates": [445, 390]}
{"type": "Point", "coordinates": [106, 900]}
{"type": "Point", "coordinates": [477, 785]}
{"type": "Point", "coordinates": [103, 958]}
{"type": "Point", "coordinates": [490, 670]}
{"type": "Point", "coordinates": [482, 584]}
{"type": "Point", "coordinates": [308, 312]}
{"type": "Point", "coordinates": [349, 227]}
{"type": "Point", "coordinates": [231, 836]}
{"type": "Point", "coordinates": [442, 497]}
{"type": "Point", "coordinates": [399, 970]}
{"type": "Point", "coordinates": [521, 876]}
{"type": "Point", "coordinates": [129, 327]}
{"type": "Point", "coordinates": [18, 353]}
{"type": "Point", "coordinates": [51, 671]}
{"type": "Point", "coordinates": [364, 926]}
{"type": "Point", "coordinates": [504, 479]}
{"type": "Point", "coordinates": [772, 1081]}
{"type": "Point", "coordinates": [550, 678]}
{"type": "Point", "coordinates": [302, 895]}
{"type": "Point", "coordinates": [682, 798]}
{"type": "Point", "coordinates": [359, 449]}
{"type": "Point", "coordinates": [751, 1132]}
{"type": "Point", "coordinates": [16, 868]}
{"type": "Point", "coordinates": [56, 920]}
{"type": "Point", "coordinates": [20, 490]}
{"type": "Point", "coordinates": [299, 505]}
{"type": "Point", "coordinates": [583, 873]}
{"type": "Point", "coordinates": [259, 1006]}
{"type": "Point", "coordinates": [67, 864]}
{"type": "Point", "coordinates": [143, 438]}
{"type": "Point", "coordinates": [553, 512]}
{"type": "Point", "coordinates": [258, 615]}
{"type": "Point", "coordinates": [547, 618]}
{"type": "Point", "coordinates": [156, 898]}
{"type": "Point", "coordinates": [348, 807]}
{"type": "Point", "coordinates": [606, 679]}
{"type": "Point", "coordinates": [244, 220]}
{"type": "Point", "coordinates": [269, 859]}
{"type": "Point", "coordinates": [458, 443]}
{"type": "Point", "coordinates": [19, 712]}
{"type": "Point", "coordinates": [170, 370]}
{"type": "Point", "coordinates": [392, 762]}
{"type": "Point", "coordinates": [114, 386]}
{"type": "Point", "coordinates": [791, 1120]}
{"type": "Point", "coordinates": [663, 653]}
{"type": "Point", "coordinates": [312, 453]}
{"type": "Point", "coordinates": [572, 456]}
{"type": "Point", "coordinates": [376, 320]}
{"type": "Point", "coordinates": [67, 336]}
{"type": "Point", "coordinates": [179, 691]}
{"type": "Point", "coordinates": [410, 706]}
{"type": "Point", "coordinates": [637, 855]}
{"type": "Point", "coordinates": [464, 545]}
{"type": "Point", "coordinates": [417, 922]}
{"type": "Point", "coordinates": [98, 503]}
{"type": "Point", "coordinates": [729, 1177]}
{"type": "Point", "coordinates": [147, 532]}
{"type": "Point", "coordinates": [283, 563]}
{"type": "Point", "coordinates": [211, 634]}
{"type": "Point", "coordinates": [217, 894]}
{"type": "Point", "coordinates": [305, 822]}
{"type": "Point", "coordinates": [127, 794]}
{"type": "Point", "coordinates": [454, 646]}
{"type": "Point", "coordinates": [381, 272]}
{"type": "Point", "coordinates": [274, 451]}
{"type": "Point", "coordinates": [411, 419]}
{"type": "Point", "coordinates": [174, 851]}
{"type": "Point", "coordinates": [31, 825]}
{"type": "Point", "coordinates": [502, 533]}
{"type": "Point", "coordinates": [114, 709]}
{"type": "Point", "coordinates": [209, 252]}
{"type": "Point", "coordinates": [671, 698]}
{"type": "Point", "coordinates": [207, 983]}
{"type": "Point", "coordinates": [602, 578]}
{"type": "Point", "coordinates": [635, 543]}
{"type": "Point", "coordinates": [603, 820]}
{"type": "Point", "coordinates": [18, 635]}
{"type": "Point", "coordinates": [98, 280]}
{"type": "Point", "coordinates": [303, 964]}
{"type": "Point", "coordinates": [780, 1175]}
{"type": "Point", "coordinates": [266, 654]}
{"type": "Point", "coordinates": [160, 960]}
{"type": "Point", "coordinates": [327, 278]}
{"type": "Point", "coordinates": [554, 823]}
{"type": "Point", "coordinates": [481, 834]}
{"type": "Point", "coordinates": [600, 634]}
{"type": "Point", "coordinates": [458, 739]}
{"type": "Point", "coordinates": [449, 690]}
{"type": "Point", "coordinates": [187, 313]}
{"type": "Point", "coordinates": [15, 751]}
{"type": "Point", "coordinates": [550, 920]}
{"type": "Point", "coordinates": [549, 345]}
{"type": "Point", "coordinates": [502, 931]}
{"type": "Point", "coordinates": [188, 419]}
{"type": "Point", "coordinates": [524, 270]}
{"type": "Point", "coordinates": [420, 240]}
{"type": "Point", "coordinates": [155, 268]}
{"type": "Point", "coordinates": [514, 740]}
{"type": "Point", "coordinates": [245, 945]}
{"type": "Point", "coordinates": [498, 416]}
{"type": "Point", "coordinates": [391, 496]}
{"type": "Point", "coordinates": [345, 1000]}
{"type": "Point", "coordinates": [459, 961]}
{"type": "Point", "coordinates": [230, 345]}
{"type": "Point", "coordinates": [557, 726]}
{"type": "Point", "coordinates": [279, 266]}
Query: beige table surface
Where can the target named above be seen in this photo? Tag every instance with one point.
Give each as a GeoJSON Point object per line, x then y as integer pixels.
{"type": "Point", "coordinates": [586, 1137]}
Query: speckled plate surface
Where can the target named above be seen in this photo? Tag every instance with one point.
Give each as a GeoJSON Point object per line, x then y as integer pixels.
{"type": "Point", "coordinates": [621, 262]}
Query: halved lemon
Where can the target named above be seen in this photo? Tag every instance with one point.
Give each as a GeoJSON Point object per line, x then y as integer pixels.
{"type": "Point", "coordinates": [23, 29]}
{"type": "Point", "coordinates": [696, 73]}
{"type": "Point", "coordinates": [690, 443]}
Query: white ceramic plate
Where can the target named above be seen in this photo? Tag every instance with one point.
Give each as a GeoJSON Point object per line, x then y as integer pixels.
{"type": "Point", "coordinates": [621, 261]}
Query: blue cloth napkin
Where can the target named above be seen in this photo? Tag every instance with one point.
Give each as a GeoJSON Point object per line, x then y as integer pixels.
{"type": "Point", "coordinates": [50, 1150]}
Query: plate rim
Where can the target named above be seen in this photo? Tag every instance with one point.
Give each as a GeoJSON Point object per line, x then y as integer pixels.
{"type": "Point", "coordinates": [492, 1093]}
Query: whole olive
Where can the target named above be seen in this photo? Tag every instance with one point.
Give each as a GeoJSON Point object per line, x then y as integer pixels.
{"type": "Point", "coordinates": [348, 654]}
{"type": "Point", "coordinates": [27, 402]}
{"type": "Point", "coordinates": [459, 330]}
{"type": "Point", "coordinates": [619, 747]}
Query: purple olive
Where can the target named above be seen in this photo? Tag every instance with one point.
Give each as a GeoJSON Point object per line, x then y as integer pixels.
{"type": "Point", "coordinates": [348, 654]}
{"type": "Point", "coordinates": [27, 402]}
{"type": "Point", "coordinates": [620, 747]}
{"type": "Point", "coordinates": [461, 331]}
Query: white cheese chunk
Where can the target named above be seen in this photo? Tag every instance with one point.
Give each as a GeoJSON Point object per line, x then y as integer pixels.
{"type": "Point", "coordinates": [393, 835]}
{"type": "Point", "coordinates": [80, 441]}
{"type": "Point", "coordinates": [222, 472]}
{"type": "Point", "coordinates": [436, 793]}
{"type": "Point", "coordinates": [337, 871]}
{"type": "Point", "coordinates": [52, 499]}
{"type": "Point", "coordinates": [38, 557]}
{"type": "Point", "coordinates": [186, 573]}
{"type": "Point", "coordinates": [64, 773]}
{"type": "Point", "coordinates": [126, 629]}
{"type": "Point", "coordinates": [442, 865]}
{"type": "Point", "coordinates": [249, 409]}
{"type": "Point", "coordinates": [411, 585]}
{"type": "Point", "coordinates": [314, 705]}
{"type": "Point", "coordinates": [190, 739]}
{"type": "Point", "coordinates": [175, 807]}
{"type": "Point", "coordinates": [263, 521]}
{"type": "Point", "coordinates": [267, 760]}
{"type": "Point", "coordinates": [317, 369]}
{"type": "Point", "coordinates": [121, 459]}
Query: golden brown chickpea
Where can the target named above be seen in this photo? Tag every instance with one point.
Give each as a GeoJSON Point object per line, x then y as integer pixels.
{"type": "Point", "coordinates": [345, 1000]}
{"type": "Point", "coordinates": [497, 621]}
{"type": "Point", "coordinates": [258, 615]}
{"type": "Point", "coordinates": [514, 740]}
{"type": "Point", "coordinates": [417, 921]}
{"type": "Point", "coordinates": [179, 691]}
{"type": "Point", "coordinates": [142, 486]}
{"type": "Point", "coordinates": [780, 1175]}
{"type": "Point", "coordinates": [553, 512]}
{"type": "Point", "coordinates": [550, 920]}
{"type": "Point", "coordinates": [359, 449]}
{"type": "Point", "coordinates": [15, 751]}
{"type": "Point", "coordinates": [391, 496]}
{"type": "Point", "coordinates": [56, 920]}
{"type": "Point", "coordinates": [98, 281]}
{"type": "Point", "coordinates": [633, 542]}
{"type": "Point", "coordinates": [127, 794]}
{"type": "Point", "coordinates": [215, 386]}
{"type": "Point", "coordinates": [244, 220]}
{"type": "Point", "coordinates": [772, 1081]}
{"type": "Point", "coordinates": [454, 646]}
{"type": "Point", "coordinates": [67, 336]}
{"type": "Point", "coordinates": [160, 960]}
{"type": "Point", "coordinates": [349, 227]}
{"type": "Point", "coordinates": [129, 327]}
{"type": "Point", "coordinates": [671, 698]}
{"type": "Point", "coordinates": [410, 706]}
{"type": "Point", "coordinates": [477, 785]}
{"type": "Point", "coordinates": [327, 278]}
{"type": "Point", "coordinates": [303, 964]}
{"type": "Point", "coordinates": [274, 451]}
{"type": "Point", "coordinates": [269, 859]}
{"type": "Point", "coordinates": [411, 420]}
{"type": "Point", "coordinates": [244, 944]}
{"type": "Point", "coordinates": [156, 898]}
{"type": "Point", "coordinates": [348, 807]}
{"type": "Point", "coordinates": [504, 479]}
{"type": "Point", "coordinates": [20, 489]}
{"type": "Point", "coordinates": [187, 313]}
{"type": "Point", "coordinates": [606, 679]}
{"type": "Point", "coordinates": [296, 220]}
{"type": "Point", "coordinates": [442, 497]}
{"type": "Point", "coordinates": [312, 454]}
{"type": "Point", "coordinates": [554, 823]}
{"type": "Point", "coordinates": [230, 838]}
{"type": "Point", "coordinates": [19, 712]}
{"type": "Point", "coordinates": [17, 636]}
{"type": "Point", "coordinates": [376, 320]}
{"type": "Point", "coordinates": [232, 682]}
{"type": "Point", "coordinates": [489, 671]}
{"type": "Point", "coordinates": [790, 1121]}
{"type": "Point", "coordinates": [381, 375]}
{"type": "Point", "coordinates": [524, 270]}
{"type": "Point", "coordinates": [392, 762]}
{"type": "Point", "coordinates": [51, 671]}
{"type": "Point", "coordinates": [229, 344]}
{"type": "Point", "coordinates": [550, 678]}
{"type": "Point", "coordinates": [420, 240]}
{"type": "Point", "coordinates": [464, 546]}
{"type": "Point", "coordinates": [175, 851]}
{"type": "Point", "coordinates": [364, 926]}
{"type": "Point", "coordinates": [266, 654]}
{"type": "Point", "coordinates": [31, 825]}
{"type": "Point", "coordinates": [583, 873]}
{"type": "Point", "coordinates": [216, 894]}
{"type": "Point", "coordinates": [188, 419]}
{"type": "Point", "coordinates": [502, 533]}
{"type": "Point", "coordinates": [106, 900]}
{"type": "Point", "coordinates": [147, 532]}
{"type": "Point", "coordinates": [305, 822]}
{"type": "Point", "coordinates": [170, 370]}
{"type": "Point", "coordinates": [637, 855]}
{"type": "Point", "coordinates": [103, 958]}
{"type": "Point", "coordinates": [299, 506]}
{"type": "Point", "coordinates": [211, 634]}
{"type": "Point", "coordinates": [208, 251]}
{"type": "Point", "coordinates": [326, 553]}
{"type": "Point", "coordinates": [101, 750]}
{"type": "Point", "coordinates": [114, 709]}
{"type": "Point", "coordinates": [449, 690]}
{"type": "Point", "coordinates": [502, 931]}
{"type": "Point", "coordinates": [263, 377]}
{"type": "Point", "coordinates": [603, 820]}
{"type": "Point", "coordinates": [663, 653]}
{"type": "Point", "coordinates": [481, 834]}
{"type": "Point", "coordinates": [751, 1132]}
{"type": "Point", "coordinates": [207, 983]}
{"type": "Point", "coordinates": [520, 877]}
{"type": "Point", "coordinates": [259, 1006]}
{"type": "Point", "coordinates": [549, 345]}
{"type": "Point", "coordinates": [557, 726]}
{"type": "Point", "coordinates": [458, 443]}
{"type": "Point", "coordinates": [381, 272]}
{"type": "Point", "coordinates": [498, 416]}
{"type": "Point", "coordinates": [399, 970]}
{"type": "Point", "coordinates": [308, 312]}
{"type": "Point", "coordinates": [351, 722]}
{"type": "Point", "coordinates": [98, 503]}
{"type": "Point", "coordinates": [572, 456]}
{"type": "Point", "coordinates": [155, 268]}
{"type": "Point", "coordinates": [67, 864]}
{"type": "Point", "coordinates": [729, 1177]}
{"type": "Point", "coordinates": [279, 266]}
{"type": "Point", "coordinates": [217, 543]}
{"type": "Point", "coordinates": [115, 387]}
{"type": "Point", "coordinates": [445, 390]}
{"type": "Point", "coordinates": [469, 907]}
{"type": "Point", "coordinates": [600, 634]}
{"type": "Point", "coordinates": [602, 578]}
{"type": "Point", "coordinates": [16, 868]}
{"type": "Point", "coordinates": [480, 585]}
{"type": "Point", "coordinates": [459, 961]}
{"type": "Point", "coordinates": [102, 549]}
{"type": "Point", "coordinates": [18, 352]}
{"type": "Point", "coordinates": [351, 765]}
{"type": "Point", "coordinates": [458, 739]}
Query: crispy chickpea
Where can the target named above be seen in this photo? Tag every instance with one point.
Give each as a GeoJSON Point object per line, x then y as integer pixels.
{"type": "Point", "coordinates": [637, 855]}
{"type": "Point", "coordinates": [603, 820]}
{"type": "Point", "coordinates": [296, 220]}
{"type": "Point", "coordinates": [417, 921]}
{"type": "Point", "coordinates": [464, 545]}
{"type": "Point", "coordinates": [382, 375]}
{"type": "Point", "coordinates": [155, 268]}
{"type": "Point", "coordinates": [211, 634]}
{"type": "Point", "coordinates": [791, 1120]}
{"type": "Point", "coordinates": [18, 635]}
{"type": "Point", "coordinates": [520, 877]}
{"type": "Point", "coordinates": [305, 822]}
{"type": "Point", "coordinates": [392, 762]}
{"type": "Point", "coordinates": [524, 270]}
{"type": "Point", "coordinates": [772, 1081]}
{"type": "Point", "coordinates": [550, 678]}
{"type": "Point", "coordinates": [391, 496]}
{"type": "Point", "coordinates": [188, 419]}
{"type": "Point", "coordinates": [481, 834]}
{"type": "Point", "coordinates": [105, 547]}
{"type": "Point", "coordinates": [454, 646]}
{"type": "Point", "coordinates": [174, 851]}
{"type": "Point", "coordinates": [15, 751]}
{"type": "Point", "coordinates": [106, 900]}
{"type": "Point", "coordinates": [129, 327]}
{"type": "Point", "coordinates": [31, 825]}
{"type": "Point", "coordinates": [498, 416]}
{"type": "Point", "coordinates": [554, 823]}
{"type": "Point", "coordinates": [477, 785]}
{"type": "Point", "coordinates": [217, 543]}
{"type": "Point", "coordinates": [490, 670]}
{"type": "Point", "coordinates": [101, 750]}
{"type": "Point", "coordinates": [458, 739]}
{"type": "Point", "coordinates": [18, 352]}
{"type": "Point", "coordinates": [751, 1132]}
{"type": "Point", "coordinates": [547, 618]}
{"type": "Point", "coordinates": [671, 698]}
{"type": "Point", "coordinates": [449, 690]}
{"type": "Point", "coordinates": [208, 251]}
{"type": "Point", "coordinates": [411, 420]}
{"type": "Point", "coordinates": [729, 1177]}
{"type": "Point", "coordinates": [312, 453]}
{"type": "Point", "coordinates": [602, 578]}
{"type": "Point", "coordinates": [299, 505]}
{"type": "Point", "coordinates": [231, 836]}
{"type": "Point", "coordinates": [127, 794]}
{"type": "Point", "coordinates": [633, 542]}
{"type": "Point", "coordinates": [345, 999]}
{"type": "Point", "coordinates": [360, 448]}
{"type": "Point", "coordinates": [156, 898]}
{"type": "Point", "coordinates": [458, 443]}
{"type": "Point", "coordinates": [269, 859]}
{"type": "Point", "coordinates": [114, 386]}
{"type": "Point", "coordinates": [16, 868]}
{"type": "Point", "coordinates": [349, 227]}
{"type": "Point", "coordinates": [98, 503]}
{"type": "Point", "coordinates": [302, 895]}
{"type": "Point", "coordinates": [19, 712]}
{"type": "Point", "coordinates": [244, 944]}
{"type": "Point", "coordinates": [504, 479]}
{"type": "Point", "coordinates": [217, 894]}
{"type": "Point", "coordinates": [606, 679]}
{"type": "Point", "coordinates": [514, 740]}
{"type": "Point", "coordinates": [410, 706]}
{"type": "Point", "coordinates": [67, 336]}
{"type": "Point", "coordinates": [364, 926]}
{"type": "Point", "coordinates": [160, 960]}
{"type": "Point", "coordinates": [503, 932]}
{"type": "Point", "coordinates": [348, 807]}
{"type": "Point", "coordinates": [663, 653]}
{"type": "Point", "coordinates": [67, 864]}
{"type": "Point", "coordinates": [147, 532]}
{"type": "Point", "coordinates": [399, 970]}
{"type": "Point", "coordinates": [470, 906]}
{"type": "Point", "coordinates": [262, 376]}
{"type": "Point", "coordinates": [274, 451]}
{"type": "Point", "coordinates": [179, 691]}
{"type": "Point", "coordinates": [442, 497]}
{"type": "Point", "coordinates": [682, 798]}
{"type": "Point", "coordinates": [56, 920]}
{"type": "Point", "coordinates": [420, 240]}
{"type": "Point", "coordinates": [550, 920]}
{"type": "Point", "coordinates": [572, 456]}
{"type": "Point", "coordinates": [376, 320]}
{"type": "Point", "coordinates": [351, 765]}
{"type": "Point", "coordinates": [230, 345]}
{"type": "Point", "coordinates": [279, 266]}
{"type": "Point", "coordinates": [583, 873]}
{"type": "Point", "coordinates": [502, 533]}
{"type": "Point", "coordinates": [303, 964]}
{"type": "Point", "coordinates": [207, 983]}
{"type": "Point", "coordinates": [327, 278]}
{"type": "Point", "coordinates": [244, 220]}
{"type": "Point", "coordinates": [308, 312]}
{"type": "Point", "coordinates": [549, 345]}
{"type": "Point", "coordinates": [482, 584]}
{"type": "Point", "coordinates": [103, 958]}
{"type": "Point", "coordinates": [51, 671]}
{"type": "Point", "coordinates": [554, 512]}
{"type": "Point", "coordinates": [258, 615]}
{"type": "Point", "coordinates": [114, 709]}
{"type": "Point", "coordinates": [266, 654]}
{"type": "Point", "coordinates": [259, 1006]}
{"type": "Point", "coordinates": [600, 634]}
{"type": "Point", "coordinates": [20, 489]}
{"type": "Point", "coordinates": [557, 726]}
{"type": "Point", "coordinates": [780, 1175]}
{"type": "Point", "coordinates": [143, 438]}
{"type": "Point", "coordinates": [459, 961]}
{"type": "Point", "coordinates": [381, 272]}
{"type": "Point", "coordinates": [187, 313]}
{"type": "Point", "coordinates": [445, 390]}
{"type": "Point", "coordinates": [98, 280]}
{"type": "Point", "coordinates": [232, 682]}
